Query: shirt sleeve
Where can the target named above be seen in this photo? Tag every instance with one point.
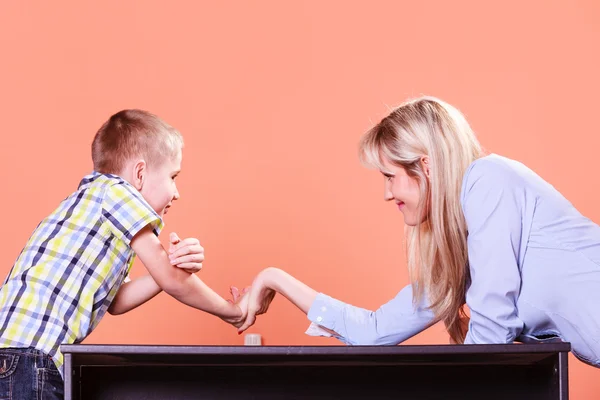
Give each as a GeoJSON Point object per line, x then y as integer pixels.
{"type": "Point", "coordinates": [392, 323]}
{"type": "Point", "coordinates": [493, 203]}
{"type": "Point", "coordinates": [126, 212]}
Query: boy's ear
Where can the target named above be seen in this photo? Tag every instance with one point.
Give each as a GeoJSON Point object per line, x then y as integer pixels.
{"type": "Point", "coordinates": [139, 173]}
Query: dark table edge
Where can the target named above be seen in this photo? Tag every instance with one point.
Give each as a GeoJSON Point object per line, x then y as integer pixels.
{"type": "Point", "coordinates": [317, 350]}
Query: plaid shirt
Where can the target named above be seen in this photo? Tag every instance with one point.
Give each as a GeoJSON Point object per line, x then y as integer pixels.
{"type": "Point", "coordinates": [69, 272]}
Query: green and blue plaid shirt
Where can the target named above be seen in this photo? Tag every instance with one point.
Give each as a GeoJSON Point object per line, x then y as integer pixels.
{"type": "Point", "coordinates": [69, 272]}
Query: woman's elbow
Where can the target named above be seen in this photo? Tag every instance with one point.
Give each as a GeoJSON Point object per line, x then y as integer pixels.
{"type": "Point", "coordinates": [378, 338]}
{"type": "Point", "coordinates": [370, 340]}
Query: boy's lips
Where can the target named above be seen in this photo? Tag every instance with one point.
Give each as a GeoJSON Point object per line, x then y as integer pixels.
{"type": "Point", "coordinates": [400, 205]}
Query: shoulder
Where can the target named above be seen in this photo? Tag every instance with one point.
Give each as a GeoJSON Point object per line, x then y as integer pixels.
{"type": "Point", "coordinates": [119, 198]}
{"type": "Point", "coordinates": [100, 186]}
{"type": "Point", "coordinates": [123, 207]}
{"type": "Point", "coordinates": [108, 187]}
{"type": "Point", "coordinates": [499, 175]}
{"type": "Point", "coordinates": [496, 185]}
{"type": "Point", "coordinates": [495, 170]}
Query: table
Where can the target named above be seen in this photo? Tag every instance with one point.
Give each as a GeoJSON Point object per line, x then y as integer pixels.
{"type": "Point", "coordinates": [502, 371]}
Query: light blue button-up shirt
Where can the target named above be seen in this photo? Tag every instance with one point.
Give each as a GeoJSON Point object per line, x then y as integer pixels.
{"type": "Point", "coordinates": [534, 263]}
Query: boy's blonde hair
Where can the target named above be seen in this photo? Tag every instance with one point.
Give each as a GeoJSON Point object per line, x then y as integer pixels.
{"type": "Point", "coordinates": [133, 133]}
{"type": "Point", "coordinates": [437, 246]}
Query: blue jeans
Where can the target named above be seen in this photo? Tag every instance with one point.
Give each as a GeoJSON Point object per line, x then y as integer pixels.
{"type": "Point", "coordinates": [29, 374]}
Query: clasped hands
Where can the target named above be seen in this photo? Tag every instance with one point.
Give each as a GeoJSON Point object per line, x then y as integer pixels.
{"type": "Point", "coordinates": [252, 301]}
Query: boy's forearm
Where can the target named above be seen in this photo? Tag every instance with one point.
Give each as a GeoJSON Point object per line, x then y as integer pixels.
{"type": "Point", "coordinates": [188, 289]}
{"type": "Point", "coordinates": [195, 293]}
{"type": "Point", "coordinates": [133, 294]}
{"type": "Point", "coordinates": [300, 294]}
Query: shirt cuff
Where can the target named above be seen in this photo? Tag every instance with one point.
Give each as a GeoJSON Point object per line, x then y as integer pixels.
{"type": "Point", "coordinates": [324, 311]}
{"type": "Point", "coordinates": [317, 330]}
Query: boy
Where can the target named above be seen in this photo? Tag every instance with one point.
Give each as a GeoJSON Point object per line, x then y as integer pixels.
{"type": "Point", "coordinates": [75, 265]}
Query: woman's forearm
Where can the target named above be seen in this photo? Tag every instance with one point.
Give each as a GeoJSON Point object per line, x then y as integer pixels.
{"type": "Point", "coordinates": [300, 294]}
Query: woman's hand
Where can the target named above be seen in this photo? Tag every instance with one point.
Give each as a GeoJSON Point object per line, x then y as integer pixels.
{"type": "Point", "coordinates": [259, 299]}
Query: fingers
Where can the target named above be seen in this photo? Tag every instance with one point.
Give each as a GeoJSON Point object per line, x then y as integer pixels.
{"type": "Point", "coordinates": [250, 318]}
{"type": "Point", "coordinates": [266, 302]}
{"type": "Point", "coordinates": [192, 258]}
{"type": "Point", "coordinates": [194, 250]}
{"type": "Point", "coordinates": [182, 243]}
{"type": "Point", "coordinates": [186, 254]}
{"type": "Point", "coordinates": [186, 251]}
{"type": "Point", "coordinates": [235, 293]}
{"type": "Point", "coordinates": [250, 309]}
{"type": "Point", "coordinates": [173, 238]}
{"type": "Point", "coordinates": [192, 268]}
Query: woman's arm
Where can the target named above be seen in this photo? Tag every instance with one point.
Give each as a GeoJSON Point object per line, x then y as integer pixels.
{"type": "Point", "coordinates": [392, 323]}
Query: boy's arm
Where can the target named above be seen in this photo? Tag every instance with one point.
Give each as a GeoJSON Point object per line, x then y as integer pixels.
{"type": "Point", "coordinates": [133, 294]}
{"type": "Point", "coordinates": [187, 255]}
{"type": "Point", "coordinates": [185, 287]}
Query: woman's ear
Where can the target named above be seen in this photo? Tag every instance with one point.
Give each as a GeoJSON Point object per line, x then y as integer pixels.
{"type": "Point", "coordinates": [425, 165]}
{"type": "Point", "coordinates": [139, 173]}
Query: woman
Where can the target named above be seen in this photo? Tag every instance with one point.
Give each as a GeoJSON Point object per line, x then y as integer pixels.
{"type": "Point", "coordinates": [482, 230]}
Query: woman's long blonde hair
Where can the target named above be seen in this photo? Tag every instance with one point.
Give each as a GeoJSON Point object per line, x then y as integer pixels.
{"type": "Point", "coordinates": [437, 246]}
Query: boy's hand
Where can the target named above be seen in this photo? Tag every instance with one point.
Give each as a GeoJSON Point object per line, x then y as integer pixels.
{"type": "Point", "coordinates": [241, 301]}
{"type": "Point", "coordinates": [186, 254]}
{"type": "Point", "coordinates": [236, 295]}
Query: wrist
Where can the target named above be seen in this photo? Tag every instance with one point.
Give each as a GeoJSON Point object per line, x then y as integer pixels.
{"type": "Point", "coordinates": [268, 278]}
{"type": "Point", "coordinates": [233, 311]}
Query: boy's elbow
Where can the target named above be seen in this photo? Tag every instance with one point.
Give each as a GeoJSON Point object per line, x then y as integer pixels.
{"type": "Point", "coordinates": [174, 284]}
{"type": "Point", "coordinates": [113, 310]}
{"type": "Point", "coordinates": [173, 290]}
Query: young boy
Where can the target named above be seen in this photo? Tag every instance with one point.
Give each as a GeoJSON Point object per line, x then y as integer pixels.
{"type": "Point", "coordinates": [75, 265]}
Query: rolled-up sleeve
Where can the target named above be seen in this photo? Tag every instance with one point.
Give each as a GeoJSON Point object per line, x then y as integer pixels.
{"type": "Point", "coordinates": [393, 323]}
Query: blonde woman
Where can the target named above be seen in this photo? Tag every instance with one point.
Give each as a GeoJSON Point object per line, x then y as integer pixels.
{"type": "Point", "coordinates": [482, 230]}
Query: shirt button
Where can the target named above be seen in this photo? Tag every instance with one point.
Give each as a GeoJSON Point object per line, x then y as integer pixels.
{"type": "Point", "coordinates": [319, 319]}
{"type": "Point", "coordinates": [323, 308]}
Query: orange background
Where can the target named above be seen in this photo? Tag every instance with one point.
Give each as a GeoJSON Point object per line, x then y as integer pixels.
{"type": "Point", "coordinates": [272, 98]}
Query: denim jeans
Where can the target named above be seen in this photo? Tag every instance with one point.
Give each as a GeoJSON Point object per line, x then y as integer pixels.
{"type": "Point", "coordinates": [29, 374]}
